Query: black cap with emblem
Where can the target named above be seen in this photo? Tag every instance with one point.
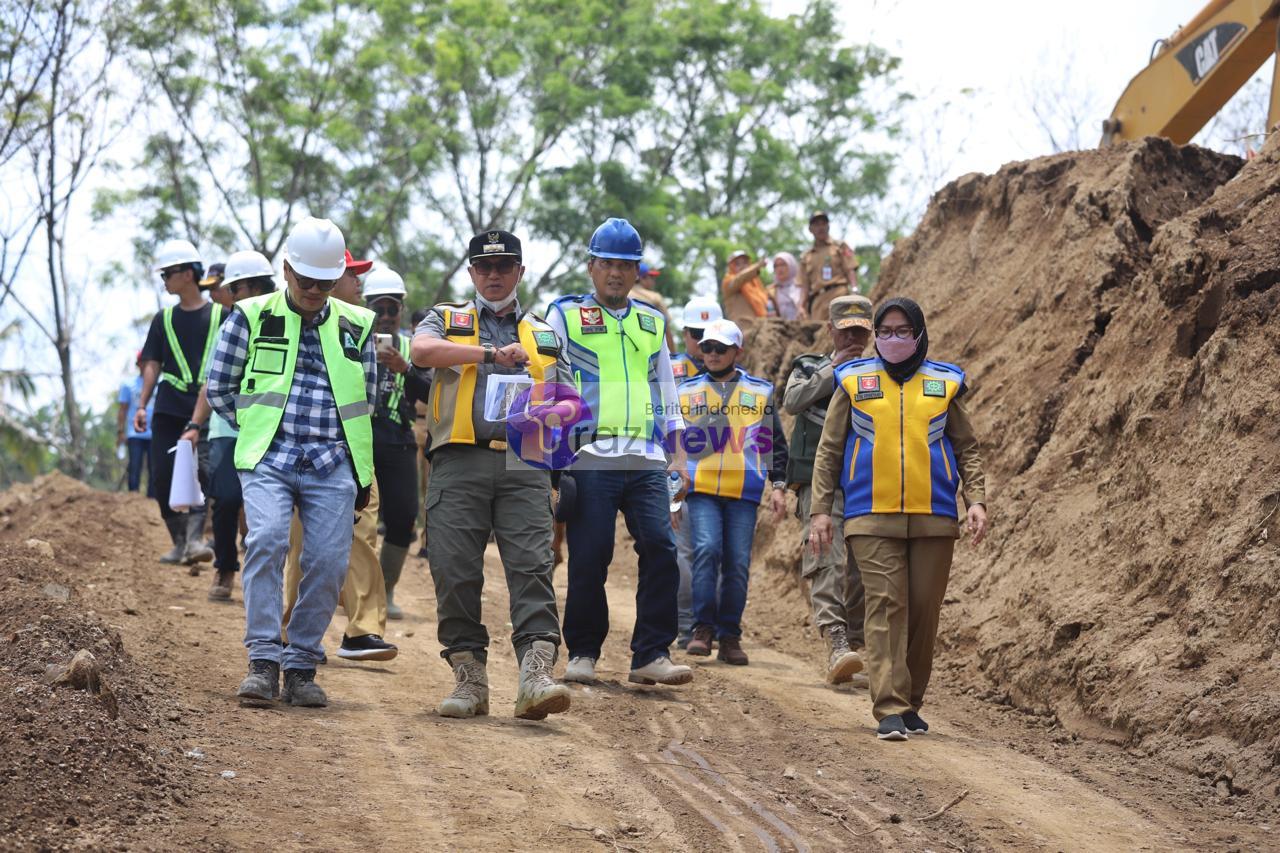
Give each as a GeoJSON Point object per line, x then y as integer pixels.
{"type": "Point", "coordinates": [494, 244]}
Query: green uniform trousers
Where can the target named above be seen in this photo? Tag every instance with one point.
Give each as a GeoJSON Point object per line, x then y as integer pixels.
{"type": "Point", "coordinates": [473, 493]}
{"type": "Point", "coordinates": [835, 586]}
{"type": "Point", "coordinates": [905, 582]}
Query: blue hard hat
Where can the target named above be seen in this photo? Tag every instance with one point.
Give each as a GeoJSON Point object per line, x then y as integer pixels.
{"type": "Point", "coordinates": [616, 238]}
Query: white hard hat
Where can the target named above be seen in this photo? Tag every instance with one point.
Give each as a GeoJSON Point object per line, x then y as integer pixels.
{"type": "Point", "coordinates": [316, 248]}
{"type": "Point", "coordinates": [382, 281]}
{"type": "Point", "coordinates": [700, 311]}
{"type": "Point", "coordinates": [175, 253]}
{"type": "Point", "coordinates": [246, 264]}
{"type": "Point", "coordinates": [724, 331]}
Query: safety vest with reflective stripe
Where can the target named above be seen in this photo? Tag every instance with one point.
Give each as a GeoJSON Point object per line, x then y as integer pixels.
{"type": "Point", "coordinates": [897, 457]}
{"type": "Point", "coordinates": [614, 366]}
{"type": "Point", "coordinates": [391, 409]}
{"type": "Point", "coordinates": [453, 392]}
{"type": "Point", "coordinates": [729, 436]}
{"type": "Point", "coordinates": [268, 376]}
{"type": "Point", "coordinates": [188, 381]}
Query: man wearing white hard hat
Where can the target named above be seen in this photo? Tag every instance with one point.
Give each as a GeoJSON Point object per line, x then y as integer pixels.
{"type": "Point", "coordinates": [176, 357]}
{"type": "Point", "coordinates": [295, 371]}
{"type": "Point", "coordinates": [737, 459]}
{"type": "Point", "coordinates": [245, 275]}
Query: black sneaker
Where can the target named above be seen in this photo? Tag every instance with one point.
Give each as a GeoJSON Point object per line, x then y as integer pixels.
{"type": "Point", "coordinates": [300, 688]}
{"type": "Point", "coordinates": [914, 724]}
{"type": "Point", "coordinates": [368, 647]}
{"type": "Point", "coordinates": [262, 685]}
{"type": "Point", "coordinates": [891, 727]}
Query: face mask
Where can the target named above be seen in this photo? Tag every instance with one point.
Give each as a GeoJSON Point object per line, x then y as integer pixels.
{"type": "Point", "coordinates": [897, 350]}
{"type": "Point", "coordinates": [495, 307]}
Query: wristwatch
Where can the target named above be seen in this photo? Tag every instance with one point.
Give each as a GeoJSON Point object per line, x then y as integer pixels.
{"type": "Point", "coordinates": [779, 484]}
{"type": "Point", "coordinates": [192, 425]}
{"type": "Point", "coordinates": [490, 354]}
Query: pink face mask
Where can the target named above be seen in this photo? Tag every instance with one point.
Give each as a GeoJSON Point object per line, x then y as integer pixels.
{"type": "Point", "coordinates": [897, 350]}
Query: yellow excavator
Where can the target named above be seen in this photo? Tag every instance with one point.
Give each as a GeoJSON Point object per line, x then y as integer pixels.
{"type": "Point", "coordinates": [1193, 73]}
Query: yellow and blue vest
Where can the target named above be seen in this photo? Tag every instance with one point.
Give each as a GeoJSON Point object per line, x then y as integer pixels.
{"type": "Point", "coordinates": [684, 367]}
{"type": "Point", "coordinates": [729, 436]}
{"type": "Point", "coordinates": [897, 458]}
{"type": "Point", "coordinates": [614, 363]}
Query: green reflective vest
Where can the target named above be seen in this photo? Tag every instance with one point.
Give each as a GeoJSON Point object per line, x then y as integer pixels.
{"type": "Point", "coordinates": [615, 364]}
{"type": "Point", "coordinates": [392, 406]}
{"type": "Point", "coordinates": [188, 381]}
{"type": "Point", "coordinates": [274, 332]}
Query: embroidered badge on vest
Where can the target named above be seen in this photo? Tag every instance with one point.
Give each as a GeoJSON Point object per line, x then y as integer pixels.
{"type": "Point", "coordinates": [592, 320]}
{"type": "Point", "coordinates": [546, 342]}
{"type": "Point", "coordinates": [935, 388]}
{"type": "Point", "coordinates": [748, 400]}
{"type": "Point", "coordinates": [648, 323]}
{"type": "Point", "coordinates": [868, 389]}
{"type": "Point", "coordinates": [698, 401]}
{"type": "Point", "coordinates": [460, 324]}
{"type": "Point", "coordinates": [679, 369]}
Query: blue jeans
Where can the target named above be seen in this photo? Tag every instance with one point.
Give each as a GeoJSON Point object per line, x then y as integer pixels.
{"type": "Point", "coordinates": [326, 507]}
{"type": "Point", "coordinates": [723, 529]}
{"type": "Point", "coordinates": [139, 450]}
{"type": "Point", "coordinates": [643, 499]}
{"type": "Point", "coordinates": [684, 559]}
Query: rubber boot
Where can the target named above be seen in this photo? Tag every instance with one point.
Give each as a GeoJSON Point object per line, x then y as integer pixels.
{"type": "Point", "coordinates": [178, 533]}
{"type": "Point", "coordinates": [470, 696]}
{"type": "Point", "coordinates": [392, 559]}
{"type": "Point", "coordinates": [196, 551]}
{"type": "Point", "coordinates": [538, 693]}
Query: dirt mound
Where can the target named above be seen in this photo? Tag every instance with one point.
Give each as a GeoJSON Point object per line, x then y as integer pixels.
{"type": "Point", "coordinates": [87, 753]}
{"type": "Point", "coordinates": [1115, 310]}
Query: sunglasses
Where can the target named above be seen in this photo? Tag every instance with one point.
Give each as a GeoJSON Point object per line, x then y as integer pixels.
{"type": "Point", "coordinates": [696, 334]}
{"type": "Point", "coordinates": [716, 347]}
{"type": "Point", "coordinates": [386, 307]}
{"type": "Point", "coordinates": [165, 275]}
{"type": "Point", "coordinates": [505, 266]}
{"type": "Point", "coordinates": [306, 283]}
{"type": "Point", "coordinates": [234, 287]}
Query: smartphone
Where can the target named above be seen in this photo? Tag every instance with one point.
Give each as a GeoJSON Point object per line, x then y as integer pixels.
{"type": "Point", "coordinates": [381, 341]}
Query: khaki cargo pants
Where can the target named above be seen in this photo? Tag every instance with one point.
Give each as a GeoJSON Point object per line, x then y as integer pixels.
{"type": "Point", "coordinates": [835, 586]}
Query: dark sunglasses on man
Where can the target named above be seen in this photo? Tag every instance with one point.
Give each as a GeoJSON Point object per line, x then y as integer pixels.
{"type": "Point", "coordinates": [716, 347]}
{"type": "Point", "coordinates": [306, 283]}
{"type": "Point", "coordinates": [695, 333]}
{"type": "Point", "coordinates": [166, 274]}
{"type": "Point", "coordinates": [503, 266]}
{"type": "Point", "coordinates": [386, 307]}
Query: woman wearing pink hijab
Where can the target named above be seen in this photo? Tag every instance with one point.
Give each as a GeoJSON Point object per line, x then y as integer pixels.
{"type": "Point", "coordinates": [788, 295]}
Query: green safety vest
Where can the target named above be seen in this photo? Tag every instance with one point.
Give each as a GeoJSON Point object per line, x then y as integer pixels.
{"type": "Point", "coordinates": [268, 376]}
{"type": "Point", "coordinates": [397, 396]}
{"type": "Point", "coordinates": [187, 381]}
{"type": "Point", "coordinates": [614, 364]}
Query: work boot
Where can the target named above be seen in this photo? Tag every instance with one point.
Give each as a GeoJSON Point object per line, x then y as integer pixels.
{"type": "Point", "coordinates": [196, 551]}
{"type": "Point", "coordinates": [700, 642]}
{"type": "Point", "coordinates": [177, 526]}
{"type": "Point", "coordinates": [470, 696]}
{"type": "Point", "coordinates": [262, 685]}
{"type": "Point", "coordinates": [581, 670]}
{"type": "Point", "coordinates": [222, 584]}
{"type": "Point", "coordinates": [842, 662]}
{"type": "Point", "coordinates": [661, 671]}
{"type": "Point", "coordinates": [392, 560]}
{"type": "Point", "coordinates": [539, 694]}
{"type": "Point", "coordinates": [731, 652]}
{"type": "Point", "coordinates": [300, 689]}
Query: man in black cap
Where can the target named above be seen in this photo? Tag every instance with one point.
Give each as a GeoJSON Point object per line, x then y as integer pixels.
{"type": "Point", "coordinates": [478, 489]}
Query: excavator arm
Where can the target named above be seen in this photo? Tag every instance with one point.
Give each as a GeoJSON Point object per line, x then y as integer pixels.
{"type": "Point", "coordinates": [1195, 72]}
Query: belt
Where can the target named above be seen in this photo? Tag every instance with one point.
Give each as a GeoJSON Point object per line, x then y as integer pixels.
{"type": "Point", "coordinates": [493, 444]}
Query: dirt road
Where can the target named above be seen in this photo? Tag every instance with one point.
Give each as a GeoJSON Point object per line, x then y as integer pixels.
{"type": "Point", "coordinates": [758, 758]}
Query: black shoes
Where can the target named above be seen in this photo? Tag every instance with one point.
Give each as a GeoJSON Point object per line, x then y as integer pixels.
{"type": "Point", "coordinates": [368, 647]}
{"type": "Point", "coordinates": [300, 689]}
{"type": "Point", "coordinates": [262, 685]}
{"type": "Point", "coordinates": [914, 724]}
{"type": "Point", "coordinates": [892, 728]}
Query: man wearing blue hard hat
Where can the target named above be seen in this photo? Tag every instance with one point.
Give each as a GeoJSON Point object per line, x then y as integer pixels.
{"type": "Point", "coordinates": [616, 347]}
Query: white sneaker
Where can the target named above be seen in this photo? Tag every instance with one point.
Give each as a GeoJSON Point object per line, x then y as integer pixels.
{"type": "Point", "coordinates": [661, 671]}
{"type": "Point", "coordinates": [581, 670]}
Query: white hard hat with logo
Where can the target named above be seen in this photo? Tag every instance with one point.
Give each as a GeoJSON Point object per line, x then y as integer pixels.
{"type": "Point", "coordinates": [724, 331]}
{"type": "Point", "coordinates": [700, 311]}
{"type": "Point", "coordinates": [317, 249]}
{"type": "Point", "coordinates": [246, 264]}
{"type": "Point", "coordinates": [383, 281]}
{"type": "Point", "coordinates": [175, 253]}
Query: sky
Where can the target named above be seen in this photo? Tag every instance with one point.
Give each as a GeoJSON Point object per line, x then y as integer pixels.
{"type": "Point", "coordinates": [975, 68]}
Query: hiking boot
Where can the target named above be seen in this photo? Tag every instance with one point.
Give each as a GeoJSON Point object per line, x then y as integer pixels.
{"type": "Point", "coordinates": [262, 685]}
{"type": "Point", "coordinates": [470, 696]}
{"type": "Point", "coordinates": [842, 661]}
{"type": "Point", "coordinates": [581, 670]}
{"type": "Point", "coordinates": [915, 725]}
{"type": "Point", "coordinates": [892, 728]}
{"type": "Point", "coordinates": [177, 527]}
{"type": "Point", "coordinates": [300, 689]}
{"type": "Point", "coordinates": [196, 551]}
{"type": "Point", "coordinates": [222, 584]}
{"type": "Point", "coordinates": [731, 651]}
{"type": "Point", "coordinates": [661, 671]}
{"type": "Point", "coordinates": [700, 642]}
{"type": "Point", "coordinates": [539, 694]}
{"type": "Point", "coordinates": [368, 647]}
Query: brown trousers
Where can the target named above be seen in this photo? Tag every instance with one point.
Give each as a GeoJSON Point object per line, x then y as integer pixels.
{"type": "Point", "coordinates": [905, 581]}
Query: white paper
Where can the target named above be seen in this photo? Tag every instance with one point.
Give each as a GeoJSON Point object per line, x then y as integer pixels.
{"type": "Point", "coordinates": [500, 391]}
{"type": "Point", "coordinates": [184, 491]}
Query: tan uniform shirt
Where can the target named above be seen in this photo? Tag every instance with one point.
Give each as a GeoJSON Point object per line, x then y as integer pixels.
{"type": "Point", "coordinates": [828, 265]}
{"type": "Point", "coordinates": [896, 525]}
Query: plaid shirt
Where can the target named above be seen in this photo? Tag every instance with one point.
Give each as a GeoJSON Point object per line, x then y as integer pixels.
{"type": "Point", "coordinates": [310, 431]}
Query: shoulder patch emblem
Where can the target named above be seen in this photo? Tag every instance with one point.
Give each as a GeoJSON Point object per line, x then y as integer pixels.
{"type": "Point", "coordinates": [679, 369]}
{"type": "Point", "coordinates": [459, 323]}
{"type": "Point", "coordinates": [748, 400]}
{"type": "Point", "coordinates": [698, 401]}
{"type": "Point", "coordinates": [592, 320]}
{"type": "Point", "coordinates": [648, 323]}
{"type": "Point", "coordinates": [935, 388]}
{"type": "Point", "coordinates": [868, 383]}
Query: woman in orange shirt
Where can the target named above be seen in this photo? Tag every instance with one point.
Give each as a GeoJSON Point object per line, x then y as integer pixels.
{"type": "Point", "coordinates": [742, 291]}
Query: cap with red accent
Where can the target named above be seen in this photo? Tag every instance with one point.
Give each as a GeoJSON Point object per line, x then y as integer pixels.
{"type": "Point", "coordinates": [726, 332]}
{"type": "Point", "coordinates": [701, 311]}
{"type": "Point", "coordinates": [647, 271]}
{"type": "Point", "coordinates": [357, 267]}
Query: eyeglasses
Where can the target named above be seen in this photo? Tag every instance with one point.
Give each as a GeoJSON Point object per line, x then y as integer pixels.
{"type": "Point", "coordinates": [696, 334]}
{"type": "Point", "coordinates": [903, 332]}
{"type": "Point", "coordinates": [504, 266]}
{"type": "Point", "coordinates": [716, 347]}
{"type": "Point", "coordinates": [306, 283]}
{"type": "Point", "coordinates": [385, 307]}
{"type": "Point", "coordinates": [165, 275]}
